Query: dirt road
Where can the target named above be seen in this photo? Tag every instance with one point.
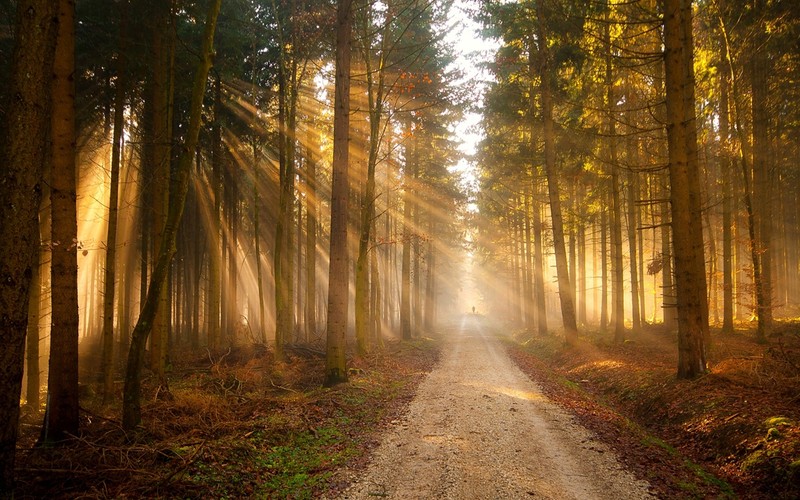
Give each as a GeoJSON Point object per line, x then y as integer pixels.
{"type": "Point", "coordinates": [479, 428]}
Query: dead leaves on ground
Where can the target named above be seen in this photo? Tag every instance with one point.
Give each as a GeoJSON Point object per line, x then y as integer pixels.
{"type": "Point", "coordinates": [239, 424]}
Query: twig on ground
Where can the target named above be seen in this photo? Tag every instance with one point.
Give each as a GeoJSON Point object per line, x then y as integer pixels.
{"type": "Point", "coordinates": [273, 384]}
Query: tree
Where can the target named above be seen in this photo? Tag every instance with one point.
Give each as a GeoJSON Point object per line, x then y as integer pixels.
{"type": "Point", "coordinates": [687, 230]}
{"type": "Point", "coordinates": [312, 209]}
{"type": "Point", "coordinates": [376, 95]}
{"type": "Point", "coordinates": [131, 409]}
{"type": "Point", "coordinates": [158, 130]}
{"type": "Point", "coordinates": [61, 416]}
{"type": "Point", "coordinates": [107, 363]}
{"type": "Point", "coordinates": [564, 287]}
{"type": "Point", "coordinates": [617, 292]}
{"type": "Point", "coordinates": [24, 142]}
{"type": "Point", "coordinates": [338, 273]}
{"type": "Point", "coordinates": [761, 173]}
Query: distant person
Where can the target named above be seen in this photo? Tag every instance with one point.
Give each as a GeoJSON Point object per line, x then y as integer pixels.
{"type": "Point", "coordinates": [473, 309]}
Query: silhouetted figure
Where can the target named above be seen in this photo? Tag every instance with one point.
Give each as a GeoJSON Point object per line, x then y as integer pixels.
{"type": "Point", "coordinates": [473, 309]}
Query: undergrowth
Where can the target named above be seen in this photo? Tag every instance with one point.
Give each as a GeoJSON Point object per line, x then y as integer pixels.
{"type": "Point", "coordinates": [740, 421]}
{"type": "Point", "coordinates": [235, 425]}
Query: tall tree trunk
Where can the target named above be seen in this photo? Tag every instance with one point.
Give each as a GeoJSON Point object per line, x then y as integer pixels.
{"type": "Point", "coordinates": [338, 273]}
{"type": "Point", "coordinates": [416, 274]}
{"type": "Point", "coordinates": [430, 284]}
{"type": "Point", "coordinates": [762, 191]}
{"type": "Point", "coordinates": [231, 301]}
{"type": "Point", "coordinates": [161, 151]}
{"type": "Point", "coordinates": [283, 232]}
{"type": "Point", "coordinates": [375, 306]}
{"type": "Point", "coordinates": [262, 315]}
{"type": "Point", "coordinates": [581, 236]}
{"type": "Point", "coordinates": [636, 307]}
{"type": "Point", "coordinates": [617, 283]}
{"type": "Point", "coordinates": [603, 268]}
{"type": "Point", "coordinates": [32, 369]}
{"type": "Point", "coordinates": [215, 256]}
{"type": "Point", "coordinates": [375, 98]}
{"type": "Point", "coordinates": [311, 232]}
{"type": "Point", "coordinates": [405, 276]}
{"type": "Point", "coordinates": [107, 361]}
{"type": "Point", "coordinates": [61, 416]}
{"type": "Point", "coordinates": [24, 143]}
{"type": "Point", "coordinates": [538, 265]}
{"type": "Point", "coordinates": [516, 297]}
{"type": "Point", "coordinates": [538, 254]}
{"type": "Point", "coordinates": [549, 133]}
{"type": "Point", "coordinates": [726, 168]}
{"type": "Point", "coordinates": [131, 405]}
{"type": "Point", "coordinates": [684, 176]}
{"type": "Point", "coordinates": [750, 195]}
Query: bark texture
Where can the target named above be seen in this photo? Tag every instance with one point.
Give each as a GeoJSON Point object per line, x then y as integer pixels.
{"type": "Point", "coordinates": [339, 272]}
{"type": "Point", "coordinates": [25, 130]}
{"type": "Point", "coordinates": [684, 174]}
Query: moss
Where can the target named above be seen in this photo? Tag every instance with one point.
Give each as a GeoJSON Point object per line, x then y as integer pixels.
{"type": "Point", "coordinates": [775, 422]}
{"type": "Point", "coordinates": [689, 488]}
{"type": "Point", "coordinates": [725, 489]}
{"type": "Point", "coordinates": [755, 460]}
{"type": "Point", "coordinates": [654, 441]}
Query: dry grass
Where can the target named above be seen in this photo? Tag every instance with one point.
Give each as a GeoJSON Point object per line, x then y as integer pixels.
{"type": "Point", "coordinates": [232, 424]}
{"type": "Point", "coordinates": [719, 420]}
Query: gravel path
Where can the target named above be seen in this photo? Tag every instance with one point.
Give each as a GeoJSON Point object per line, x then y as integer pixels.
{"type": "Point", "coordinates": [479, 428]}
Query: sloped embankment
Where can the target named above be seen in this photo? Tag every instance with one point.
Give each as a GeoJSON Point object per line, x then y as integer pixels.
{"type": "Point", "coordinates": [739, 422]}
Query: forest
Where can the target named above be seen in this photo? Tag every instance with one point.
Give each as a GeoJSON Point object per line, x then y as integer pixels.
{"type": "Point", "coordinates": [239, 236]}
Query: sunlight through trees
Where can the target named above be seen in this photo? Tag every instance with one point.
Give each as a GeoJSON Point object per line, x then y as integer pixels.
{"type": "Point", "coordinates": [192, 178]}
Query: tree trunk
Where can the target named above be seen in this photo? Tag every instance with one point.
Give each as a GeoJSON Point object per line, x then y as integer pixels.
{"type": "Point", "coordinates": [526, 263]}
{"type": "Point", "coordinates": [375, 98]}
{"type": "Point", "coordinates": [405, 276]}
{"type": "Point", "coordinates": [416, 275]}
{"type": "Point", "coordinates": [632, 246]}
{"type": "Point", "coordinates": [23, 149]}
{"type": "Point", "coordinates": [131, 409]}
{"type": "Point", "coordinates": [603, 267]}
{"type": "Point", "coordinates": [684, 176]}
{"type": "Point", "coordinates": [338, 277]}
{"type": "Point", "coordinates": [549, 133]}
{"type": "Point", "coordinates": [215, 258]}
{"type": "Point", "coordinates": [750, 198]}
{"type": "Point", "coordinates": [726, 169]}
{"type": "Point", "coordinates": [262, 315]}
{"type": "Point", "coordinates": [32, 369]}
{"type": "Point", "coordinates": [617, 283]}
{"type": "Point", "coordinates": [311, 233]}
{"type": "Point", "coordinates": [107, 362]}
{"type": "Point", "coordinates": [160, 135]}
{"type": "Point", "coordinates": [375, 306]}
{"type": "Point", "coordinates": [61, 416]}
{"type": "Point", "coordinates": [430, 285]}
{"type": "Point", "coordinates": [538, 265]}
{"type": "Point", "coordinates": [762, 192]}
{"type": "Point", "coordinates": [581, 236]}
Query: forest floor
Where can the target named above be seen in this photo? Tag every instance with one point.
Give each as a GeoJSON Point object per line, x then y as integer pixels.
{"type": "Point", "coordinates": [734, 432]}
{"type": "Point", "coordinates": [234, 424]}
{"type": "Point", "coordinates": [239, 424]}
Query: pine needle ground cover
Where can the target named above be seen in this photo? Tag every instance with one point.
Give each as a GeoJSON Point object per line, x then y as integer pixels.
{"type": "Point", "coordinates": [734, 432]}
{"type": "Point", "coordinates": [233, 424]}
